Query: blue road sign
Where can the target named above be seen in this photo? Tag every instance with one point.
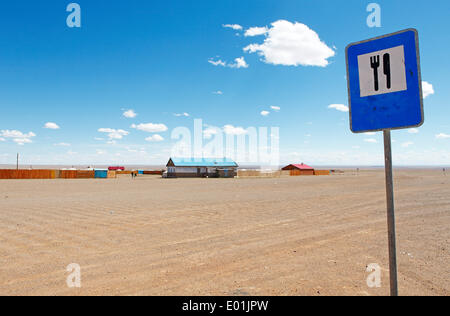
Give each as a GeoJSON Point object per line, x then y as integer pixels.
{"type": "Point", "coordinates": [384, 83]}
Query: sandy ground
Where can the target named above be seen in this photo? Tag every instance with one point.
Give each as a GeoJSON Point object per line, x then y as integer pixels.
{"type": "Point", "coordinates": [286, 236]}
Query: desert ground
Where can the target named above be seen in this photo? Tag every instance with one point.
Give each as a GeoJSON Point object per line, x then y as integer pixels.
{"type": "Point", "coordinates": [272, 236]}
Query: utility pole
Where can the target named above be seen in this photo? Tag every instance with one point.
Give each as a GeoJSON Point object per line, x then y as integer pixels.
{"type": "Point", "coordinates": [17, 165]}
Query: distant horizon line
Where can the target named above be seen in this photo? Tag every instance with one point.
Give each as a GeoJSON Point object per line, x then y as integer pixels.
{"type": "Point", "coordinates": [27, 166]}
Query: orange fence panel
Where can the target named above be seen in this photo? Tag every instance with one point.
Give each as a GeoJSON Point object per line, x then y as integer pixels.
{"type": "Point", "coordinates": [124, 172]}
{"type": "Point", "coordinates": [85, 174]}
{"type": "Point", "coordinates": [294, 173]}
{"type": "Point", "coordinates": [27, 174]}
{"type": "Point", "coordinates": [68, 174]}
{"type": "Point", "coordinates": [155, 172]}
{"type": "Point", "coordinates": [111, 174]}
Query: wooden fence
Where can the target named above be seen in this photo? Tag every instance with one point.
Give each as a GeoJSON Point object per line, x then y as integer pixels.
{"type": "Point", "coordinates": [295, 172]}
{"type": "Point", "coordinates": [50, 174]}
{"type": "Point", "coordinates": [90, 174]}
{"type": "Point", "coordinates": [111, 174]}
{"type": "Point", "coordinates": [321, 172]}
{"type": "Point", "coordinates": [85, 174]}
{"type": "Point", "coordinates": [124, 172]}
{"type": "Point", "coordinates": [27, 174]}
{"type": "Point", "coordinates": [68, 174]}
{"type": "Point", "coordinates": [310, 172]}
{"type": "Point", "coordinates": [154, 172]}
{"type": "Point", "coordinates": [261, 173]}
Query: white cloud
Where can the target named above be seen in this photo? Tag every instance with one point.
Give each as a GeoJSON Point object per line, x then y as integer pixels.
{"type": "Point", "coordinates": [256, 31]}
{"type": "Point", "coordinates": [2, 139]}
{"type": "Point", "coordinates": [182, 114]}
{"type": "Point", "coordinates": [129, 114]}
{"type": "Point", "coordinates": [22, 141]}
{"type": "Point", "coordinates": [99, 138]}
{"type": "Point", "coordinates": [292, 44]}
{"type": "Point", "coordinates": [235, 27]}
{"type": "Point", "coordinates": [114, 133]}
{"type": "Point", "coordinates": [339, 107]}
{"type": "Point", "coordinates": [407, 144]}
{"type": "Point", "coordinates": [231, 130]}
{"type": "Point", "coordinates": [265, 113]}
{"type": "Point", "coordinates": [51, 125]}
{"type": "Point", "coordinates": [155, 138]}
{"type": "Point", "coordinates": [370, 133]}
{"type": "Point", "coordinates": [106, 130]}
{"type": "Point", "coordinates": [409, 157]}
{"type": "Point", "coordinates": [218, 92]}
{"type": "Point", "coordinates": [275, 108]}
{"type": "Point", "coordinates": [238, 63]}
{"type": "Point", "coordinates": [371, 140]}
{"type": "Point", "coordinates": [413, 131]}
{"type": "Point", "coordinates": [62, 144]}
{"type": "Point", "coordinates": [217, 62]}
{"type": "Point", "coordinates": [442, 136]}
{"type": "Point", "coordinates": [150, 127]}
{"type": "Point", "coordinates": [17, 136]}
{"type": "Point", "coordinates": [427, 89]}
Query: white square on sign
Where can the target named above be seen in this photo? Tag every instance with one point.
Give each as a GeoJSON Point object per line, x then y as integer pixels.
{"type": "Point", "coordinates": [382, 71]}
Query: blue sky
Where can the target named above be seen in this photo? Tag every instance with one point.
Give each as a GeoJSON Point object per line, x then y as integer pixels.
{"type": "Point", "coordinates": [171, 62]}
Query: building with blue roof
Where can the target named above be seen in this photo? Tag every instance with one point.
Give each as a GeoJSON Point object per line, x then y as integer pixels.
{"type": "Point", "coordinates": [201, 168]}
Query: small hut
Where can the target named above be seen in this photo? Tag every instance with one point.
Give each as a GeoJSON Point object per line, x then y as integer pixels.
{"type": "Point", "coordinates": [201, 168]}
{"type": "Point", "coordinates": [299, 169]}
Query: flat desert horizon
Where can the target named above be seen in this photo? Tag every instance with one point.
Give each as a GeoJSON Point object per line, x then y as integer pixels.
{"type": "Point", "coordinates": [243, 166]}
{"type": "Point", "coordinates": [246, 236]}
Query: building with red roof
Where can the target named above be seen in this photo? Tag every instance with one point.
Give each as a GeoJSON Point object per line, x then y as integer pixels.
{"type": "Point", "coordinates": [299, 169]}
{"type": "Point", "coordinates": [116, 168]}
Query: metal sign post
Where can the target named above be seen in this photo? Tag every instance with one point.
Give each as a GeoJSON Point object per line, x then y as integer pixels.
{"type": "Point", "coordinates": [385, 93]}
{"type": "Point", "coordinates": [390, 212]}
